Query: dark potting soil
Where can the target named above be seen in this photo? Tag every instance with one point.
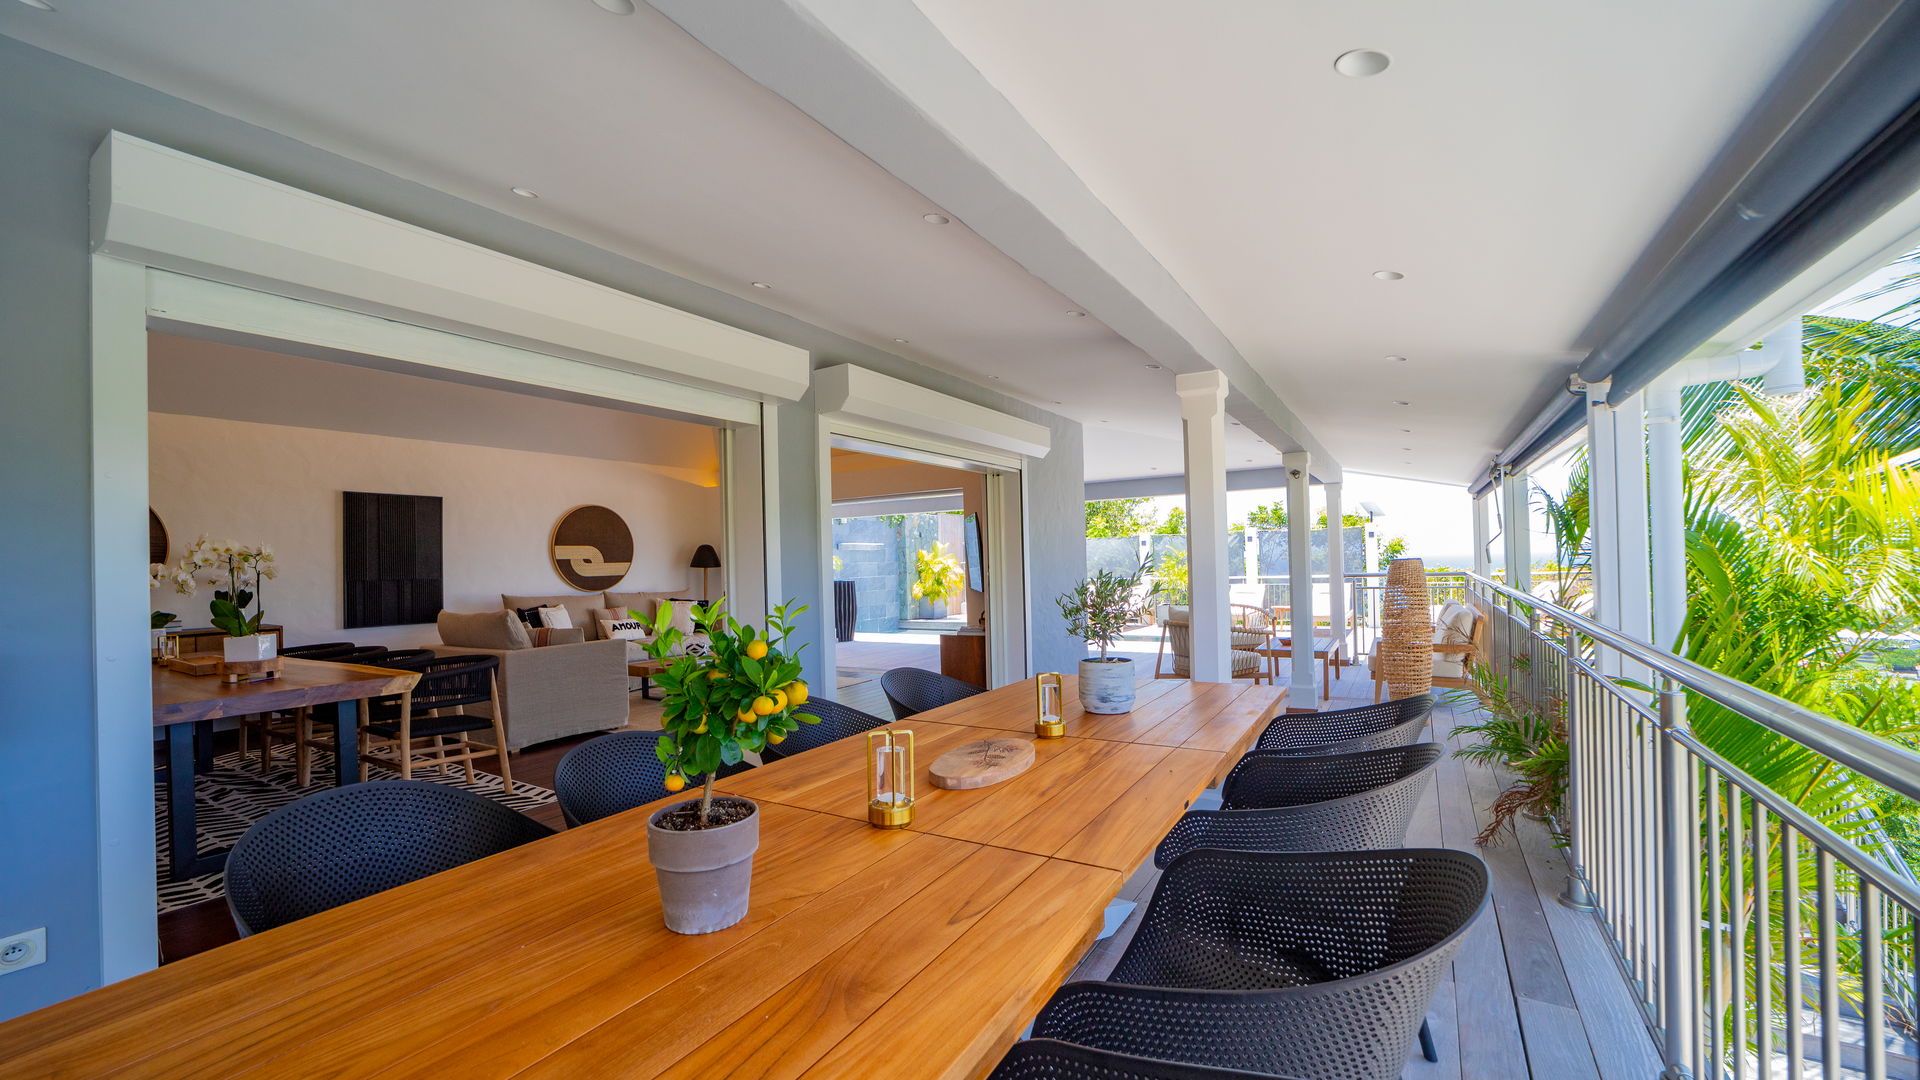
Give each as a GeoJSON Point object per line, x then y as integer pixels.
{"type": "Point", "coordinates": [686, 818]}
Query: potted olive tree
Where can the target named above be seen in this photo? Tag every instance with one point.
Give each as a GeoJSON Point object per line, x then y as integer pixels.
{"type": "Point", "coordinates": [1099, 610]}
{"type": "Point", "coordinates": [716, 708]}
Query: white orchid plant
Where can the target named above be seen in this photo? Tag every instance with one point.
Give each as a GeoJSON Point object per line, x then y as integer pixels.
{"type": "Point", "coordinates": [240, 567]}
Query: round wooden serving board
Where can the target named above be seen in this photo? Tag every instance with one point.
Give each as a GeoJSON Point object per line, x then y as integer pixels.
{"type": "Point", "coordinates": [983, 763]}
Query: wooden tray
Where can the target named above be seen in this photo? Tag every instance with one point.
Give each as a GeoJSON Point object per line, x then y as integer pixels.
{"type": "Point", "coordinates": [233, 671]}
{"type": "Point", "coordinates": [982, 764]}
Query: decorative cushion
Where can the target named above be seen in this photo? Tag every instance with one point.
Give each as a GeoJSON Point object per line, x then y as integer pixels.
{"type": "Point", "coordinates": [682, 615]}
{"type": "Point", "coordinates": [1453, 626]}
{"type": "Point", "coordinates": [555, 618]}
{"type": "Point", "coordinates": [483, 630]}
{"type": "Point", "coordinates": [623, 629]}
{"type": "Point", "coordinates": [529, 616]}
{"type": "Point", "coordinates": [577, 604]}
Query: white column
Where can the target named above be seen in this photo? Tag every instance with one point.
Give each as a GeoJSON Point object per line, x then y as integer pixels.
{"type": "Point", "coordinates": [1203, 424]}
{"type": "Point", "coordinates": [1635, 593]}
{"type": "Point", "coordinates": [1482, 534]}
{"type": "Point", "coordinates": [1516, 529]}
{"type": "Point", "coordinates": [1300, 577]}
{"type": "Point", "coordinates": [1667, 512]}
{"type": "Point", "coordinates": [1336, 565]}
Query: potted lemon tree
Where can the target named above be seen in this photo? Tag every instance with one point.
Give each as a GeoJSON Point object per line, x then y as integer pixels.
{"type": "Point", "coordinates": [736, 699]}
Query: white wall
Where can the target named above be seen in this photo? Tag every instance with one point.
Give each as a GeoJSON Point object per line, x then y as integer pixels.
{"type": "Point", "coordinates": [278, 485]}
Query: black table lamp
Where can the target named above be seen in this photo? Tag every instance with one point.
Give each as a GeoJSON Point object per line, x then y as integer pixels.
{"type": "Point", "coordinates": [705, 559]}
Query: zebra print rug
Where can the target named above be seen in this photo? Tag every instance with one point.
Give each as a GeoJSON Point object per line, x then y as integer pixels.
{"type": "Point", "coordinates": [235, 794]}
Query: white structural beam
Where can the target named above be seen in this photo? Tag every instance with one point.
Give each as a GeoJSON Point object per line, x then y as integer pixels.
{"type": "Point", "coordinates": [1203, 424]}
{"type": "Point", "coordinates": [1516, 529]}
{"type": "Point", "coordinates": [1300, 574]}
{"type": "Point", "coordinates": [1667, 528]}
{"type": "Point", "coordinates": [1336, 564]}
{"type": "Point", "coordinates": [1617, 459]}
{"type": "Point", "coordinates": [1482, 534]}
{"type": "Point", "coordinates": [884, 78]}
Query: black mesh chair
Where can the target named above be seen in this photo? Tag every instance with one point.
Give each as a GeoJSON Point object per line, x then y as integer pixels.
{"type": "Point", "coordinates": [837, 722]}
{"type": "Point", "coordinates": [431, 725]}
{"type": "Point", "coordinates": [1050, 1059]}
{"type": "Point", "coordinates": [611, 773]}
{"type": "Point", "coordinates": [1273, 801]}
{"type": "Point", "coordinates": [912, 691]}
{"type": "Point", "coordinates": [1311, 964]}
{"type": "Point", "coordinates": [1347, 731]}
{"type": "Point", "coordinates": [339, 845]}
{"type": "Point", "coordinates": [325, 650]}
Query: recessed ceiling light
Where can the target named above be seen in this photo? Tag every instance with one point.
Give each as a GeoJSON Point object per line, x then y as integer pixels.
{"type": "Point", "coordinates": [1361, 63]}
{"type": "Point", "coordinates": [1403, 403]}
{"type": "Point", "coordinates": [525, 193]}
{"type": "Point", "coordinates": [1406, 431]}
{"type": "Point", "coordinates": [1398, 359]}
{"type": "Point", "coordinates": [761, 285]}
{"type": "Point", "coordinates": [1078, 314]}
{"type": "Point", "coordinates": [1153, 367]}
{"type": "Point", "coordinates": [1235, 423]}
{"type": "Point", "coordinates": [900, 341]}
{"type": "Point", "coordinates": [38, 5]}
{"type": "Point", "coordinates": [618, 7]}
{"type": "Point", "coordinates": [995, 378]}
{"type": "Point", "coordinates": [1408, 449]}
{"type": "Point", "coordinates": [1059, 403]}
{"type": "Point", "coordinates": [935, 219]}
{"type": "Point", "coordinates": [1388, 275]}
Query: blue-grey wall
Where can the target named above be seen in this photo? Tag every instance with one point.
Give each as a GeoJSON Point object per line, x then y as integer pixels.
{"type": "Point", "coordinates": [53, 113]}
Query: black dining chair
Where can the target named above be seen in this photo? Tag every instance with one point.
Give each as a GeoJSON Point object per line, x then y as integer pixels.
{"type": "Point", "coordinates": [291, 726]}
{"type": "Point", "coordinates": [837, 722]}
{"type": "Point", "coordinates": [911, 691]}
{"type": "Point", "coordinates": [1347, 731]}
{"type": "Point", "coordinates": [343, 844]}
{"type": "Point", "coordinates": [1050, 1059]}
{"type": "Point", "coordinates": [1312, 964]}
{"type": "Point", "coordinates": [614, 772]}
{"type": "Point", "coordinates": [324, 650]}
{"type": "Point", "coordinates": [434, 723]}
{"type": "Point", "coordinates": [1273, 801]}
{"type": "Point", "coordinates": [407, 659]}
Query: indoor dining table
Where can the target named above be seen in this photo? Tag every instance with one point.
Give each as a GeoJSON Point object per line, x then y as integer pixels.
{"type": "Point", "coordinates": [185, 707]}
{"type": "Point", "coordinates": [914, 952]}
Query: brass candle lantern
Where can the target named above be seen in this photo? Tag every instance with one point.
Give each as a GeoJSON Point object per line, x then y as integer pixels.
{"type": "Point", "coordinates": [1048, 692]}
{"type": "Point", "coordinates": [890, 785]}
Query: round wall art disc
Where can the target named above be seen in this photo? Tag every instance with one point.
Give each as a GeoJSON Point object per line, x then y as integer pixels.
{"type": "Point", "coordinates": [592, 549]}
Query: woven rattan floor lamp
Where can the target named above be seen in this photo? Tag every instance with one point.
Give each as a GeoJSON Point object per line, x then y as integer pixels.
{"type": "Point", "coordinates": [1406, 630]}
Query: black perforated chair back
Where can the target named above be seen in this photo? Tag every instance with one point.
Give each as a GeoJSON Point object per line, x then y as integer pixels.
{"type": "Point", "coordinates": [325, 650]}
{"type": "Point", "coordinates": [837, 722]}
{"type": "Point", "coordinates": [1050, 1059]}
{"type": "Point", "coordinates": [911, 691]}
{"type": "Point", "coordinates": [1275, 801]}
{"type": "Point", "coordinates": [346, 843]}
{"type": "Point", "coordinates": [1346, 731]}
{"type": "Point", "coordinates": [612, 773]}
{"type": "Point", "coordinates": [1311, 964]}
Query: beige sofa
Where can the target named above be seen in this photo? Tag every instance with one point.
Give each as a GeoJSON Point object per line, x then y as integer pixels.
{"type": "Point", "coordinates": [582, 608]}
{"type": "Point", "coordinates": [570, 687]}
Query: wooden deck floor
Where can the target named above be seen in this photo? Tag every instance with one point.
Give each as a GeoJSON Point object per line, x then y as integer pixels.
{"type": "Point", "coordinates": [1535, 992]}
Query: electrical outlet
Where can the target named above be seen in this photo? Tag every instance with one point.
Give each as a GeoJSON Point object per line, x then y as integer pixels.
{"type": "Point", "coordinates": [23, 950]}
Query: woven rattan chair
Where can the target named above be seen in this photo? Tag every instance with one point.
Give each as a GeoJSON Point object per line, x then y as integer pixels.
{"type": "Point", "coordinates": [1310, 964]}
{"type": "Point", "coordinates": [611, 773]}
{"type": "Point", "coordinates": [1273, 801]}
{"type": "Point", "coordinates": [912, 691]}
{"type": "Point", "coordinates": [1175, 658]}
{"type": "Point", "coordinates": [1050, 1059]}
{"type": "Point", "coordinates": [1347, 731]}
{"type": "Point", "coordinates": [339, 845]}
{"type": "Point", "coordinates": [837, 722]}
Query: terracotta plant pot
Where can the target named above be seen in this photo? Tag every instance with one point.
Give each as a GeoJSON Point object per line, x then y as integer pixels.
{"type": "Point", "coordinates": [704, 875]}
{"type": "Point", "coordinates": [1106, 688]}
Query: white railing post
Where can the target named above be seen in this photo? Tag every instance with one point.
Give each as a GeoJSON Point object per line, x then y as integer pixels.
{"type": "Point", "coordinates": [1575, 895]}
{"type": "Point", "coordinates": [1203, 424]}
{"type": "Point", "coordinates": [1679, 914]}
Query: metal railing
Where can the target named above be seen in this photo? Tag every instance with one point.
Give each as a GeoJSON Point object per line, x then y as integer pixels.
{"type": "Point", "coordinates": [1761, 941]}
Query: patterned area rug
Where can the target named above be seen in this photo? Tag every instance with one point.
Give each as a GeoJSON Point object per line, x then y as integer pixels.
{"type": "Point", "coordinates": [236, 794]}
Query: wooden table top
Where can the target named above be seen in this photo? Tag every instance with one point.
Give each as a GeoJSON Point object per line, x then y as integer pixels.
{"type": "Point", "coordinates": [919, 952]}
{"type": "Point", "coordinates": [180, 698]}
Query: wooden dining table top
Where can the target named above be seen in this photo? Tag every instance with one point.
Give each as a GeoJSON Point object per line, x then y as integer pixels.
{"type": "Point", "coordinates": [918, 952]}
{"type": "Point", "coordinates": [179, 698]}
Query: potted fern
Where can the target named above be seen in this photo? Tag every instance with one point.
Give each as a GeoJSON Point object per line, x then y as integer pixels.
{"type": "Point", "coordinates": [936, 576]}
{"type": "Point", "coordinates": [735, 699]}
{"type": "Point", "coordinates": [1098, 611]}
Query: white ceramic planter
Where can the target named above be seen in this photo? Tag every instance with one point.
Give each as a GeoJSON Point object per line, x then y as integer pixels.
{"type": "Point", "coordinates": [1106, 688]}
{"type": "Point", "coordinates": [251, 647]}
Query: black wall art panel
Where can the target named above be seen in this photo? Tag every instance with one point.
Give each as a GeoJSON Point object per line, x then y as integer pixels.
{"type": "Point", "coordinates": [391, 548]}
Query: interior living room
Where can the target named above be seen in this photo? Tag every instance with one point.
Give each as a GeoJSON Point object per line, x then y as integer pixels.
{"type": "Point", "coordinates": [390, 392]}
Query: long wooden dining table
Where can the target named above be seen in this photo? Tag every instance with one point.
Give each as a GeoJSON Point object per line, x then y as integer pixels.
{"type": "Point", "coordinates": [918, 952]}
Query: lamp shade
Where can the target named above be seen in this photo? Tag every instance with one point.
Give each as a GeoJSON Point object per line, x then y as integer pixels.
{"type": "Point", "coordinates": [705, 558]}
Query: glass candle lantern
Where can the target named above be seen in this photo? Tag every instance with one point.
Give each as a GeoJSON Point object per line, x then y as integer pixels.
{"type": "Point", "coordinates": [890, 784]}
{"type": "Point", "coordinates": [1048, 722]}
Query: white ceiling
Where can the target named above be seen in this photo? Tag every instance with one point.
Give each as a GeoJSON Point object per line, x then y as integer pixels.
{"type": "Point", "coordinates": [1512, 163]}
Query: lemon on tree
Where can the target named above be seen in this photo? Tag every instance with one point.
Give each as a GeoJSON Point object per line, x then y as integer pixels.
{"type": "Point", "coordinates": [736, 699]}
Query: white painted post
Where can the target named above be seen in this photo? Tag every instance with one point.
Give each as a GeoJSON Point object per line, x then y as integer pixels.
{"type": "Point", "coordinates": [1203, 424]}
{"type": "Point", "coordinates": [1630, 478]}
{"type": "Point", "coordinates": [1603, 498]}
{"type": "Point", "coordinates": [1667, 511]}
{"type": "Point", "coordinates": [1300, 576]}
{"type": "Point", "coordinates": [1516, 529]}
{"type": "Point", "coordinates": [1482, 534]}
{"type": "Point", "coordinates": [1336, 566]}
